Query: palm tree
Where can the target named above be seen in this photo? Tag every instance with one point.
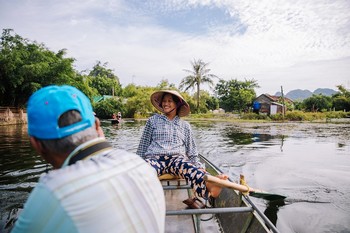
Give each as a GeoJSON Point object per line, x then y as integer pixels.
{"type": "Point", "coordinates": [200, 74]}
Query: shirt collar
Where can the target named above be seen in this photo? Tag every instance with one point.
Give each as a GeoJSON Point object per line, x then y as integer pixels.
{"type": "Point", "coordinates": [175, 120]}
{"type": "Point", "coordinates": [85, 144]}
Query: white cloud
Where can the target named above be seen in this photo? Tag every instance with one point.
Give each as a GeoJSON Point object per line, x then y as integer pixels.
{"type": "Point", "coordinates": [273, 42]}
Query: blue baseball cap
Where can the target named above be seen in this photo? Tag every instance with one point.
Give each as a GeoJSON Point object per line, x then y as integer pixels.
{"type": "Point", "coordinates": [46, 106]}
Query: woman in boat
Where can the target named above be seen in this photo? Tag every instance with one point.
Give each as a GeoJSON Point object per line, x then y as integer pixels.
{"type": "Point", "coordinates": [167, 144]}
{"type": "Point", "coordinates": [116, 118]}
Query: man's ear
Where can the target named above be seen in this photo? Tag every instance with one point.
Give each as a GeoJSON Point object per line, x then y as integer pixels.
{"type": "Point", "coordinates": [37, 145]}
{"type": "Point", "coordinates": [55, 160]}
{"type": "Point", "coordinates": [98, 128]}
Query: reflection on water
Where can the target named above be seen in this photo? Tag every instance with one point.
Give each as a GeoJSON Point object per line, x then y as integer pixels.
{"type": "Point", "coordinates": [20, 168]}
{"type": "Point", "coordinates": [308, 163]}
{"type": "Point", "coordinates": [272, 208]}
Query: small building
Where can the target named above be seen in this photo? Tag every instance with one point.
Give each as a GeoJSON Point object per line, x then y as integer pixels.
{"type": "Point", "coordinates": [271, 105]}
{"type": "Point", "coordinates": [97, 99]}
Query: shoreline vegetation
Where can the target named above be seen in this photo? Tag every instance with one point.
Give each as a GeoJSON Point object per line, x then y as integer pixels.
{"type": "Point", "coordinates": [13, 117]}
{"type": "Point", "coordinates": [290, 116]}
{"type": "Point", "coordinates": [29, 66]}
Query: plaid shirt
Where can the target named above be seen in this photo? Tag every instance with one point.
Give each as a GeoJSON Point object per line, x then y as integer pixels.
{"type": "Point", "coordinates": [164, 137]}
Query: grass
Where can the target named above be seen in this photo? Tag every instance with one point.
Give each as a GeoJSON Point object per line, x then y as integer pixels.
{"type": "Point", "coordinates": [289, 116]}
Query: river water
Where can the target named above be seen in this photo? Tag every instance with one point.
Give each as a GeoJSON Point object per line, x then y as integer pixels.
{"type": "Point", "coordinates": [307, 162]}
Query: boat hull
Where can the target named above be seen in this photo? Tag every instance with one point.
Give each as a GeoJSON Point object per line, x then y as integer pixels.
{"type": "Point", "coordinates": [115, 121]}
{"type": "Point", "coordinates": [230, 213]}
{"type": "Point", "coordinates": [236, 222]}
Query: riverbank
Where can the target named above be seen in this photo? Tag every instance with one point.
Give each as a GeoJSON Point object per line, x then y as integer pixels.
{"type": "Point", "coordinates": [290, 116]}
{"type": "Point", "coordinates": [12, 116]}
{"type": "Point", "coordinates": [326, 120]}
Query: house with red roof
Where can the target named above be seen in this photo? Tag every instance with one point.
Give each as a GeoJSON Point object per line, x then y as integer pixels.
{"type": "Point", "coordinates": [271, 105]}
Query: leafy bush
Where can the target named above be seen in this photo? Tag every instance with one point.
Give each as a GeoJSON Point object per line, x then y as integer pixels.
{"type": "Point", "coordinates": [203, 115]}
{"type": "Point", "coordinates": [337, 114]}
{"type": "Point", "coordinates": [277, 117]}
{"type": "Point", "coordinates": [254, 116]}
{"type": "Point", "coordinates": [105, 108]}
{"type": "Point", "coordinates": [295, 116]}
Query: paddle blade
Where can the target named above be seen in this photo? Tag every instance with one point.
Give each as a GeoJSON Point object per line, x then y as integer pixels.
{"type": "Point", "coordinates": [267, 196]}
{"type": "Point", "coordinates": [243, 188]}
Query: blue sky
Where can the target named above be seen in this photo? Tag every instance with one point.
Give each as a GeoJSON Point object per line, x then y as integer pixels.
{"type": "Point", "coordinates": [294, 44]}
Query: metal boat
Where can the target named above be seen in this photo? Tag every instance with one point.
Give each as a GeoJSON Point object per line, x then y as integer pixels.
{"type": "Point", "coordinates": [232, 212]}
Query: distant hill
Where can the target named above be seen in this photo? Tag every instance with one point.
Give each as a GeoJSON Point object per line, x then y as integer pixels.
{"type": "Point", "coordinates": [299, 94]}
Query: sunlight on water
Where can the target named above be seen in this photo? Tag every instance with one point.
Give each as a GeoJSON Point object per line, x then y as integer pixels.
{"type": "Point", "coordinates": [308, 163]}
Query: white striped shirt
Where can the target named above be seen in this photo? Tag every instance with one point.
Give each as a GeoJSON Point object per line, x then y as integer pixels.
{"type": "Point", "coordinates": [115, 191]}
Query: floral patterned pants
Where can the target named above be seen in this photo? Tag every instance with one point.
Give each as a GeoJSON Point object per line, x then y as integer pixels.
{"type": "Point", "coordinates": [175, 165]}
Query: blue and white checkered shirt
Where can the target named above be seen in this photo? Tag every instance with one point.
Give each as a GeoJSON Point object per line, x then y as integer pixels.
{"type": "Point", "coordinates": [164, 137]}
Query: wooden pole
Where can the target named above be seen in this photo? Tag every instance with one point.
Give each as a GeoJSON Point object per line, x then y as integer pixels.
{"type": "Point", "coordinates": [283, 107]}
{"type": "Point", "coordinates": [227, 184]}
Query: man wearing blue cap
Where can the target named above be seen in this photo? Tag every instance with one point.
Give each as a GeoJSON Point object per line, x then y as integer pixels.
{"type": "Point", "coordinates": [93, 187]}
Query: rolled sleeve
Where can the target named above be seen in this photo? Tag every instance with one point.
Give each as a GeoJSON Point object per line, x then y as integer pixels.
{"type": "Point", "coordinates": [145, 140]}
{"type": "Point", "coordinates": [39, 212]}
{"type": "Point", "coordinates": [191, 147]}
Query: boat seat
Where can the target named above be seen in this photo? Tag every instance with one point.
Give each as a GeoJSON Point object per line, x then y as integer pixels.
{"type": "Point", "coordinates": [170, 181]}
{"type": "Point", "coordinates": [169, 177]}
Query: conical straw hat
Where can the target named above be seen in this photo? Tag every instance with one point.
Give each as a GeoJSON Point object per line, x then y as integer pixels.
{"type": "Point", "coordinates": [156, 99]}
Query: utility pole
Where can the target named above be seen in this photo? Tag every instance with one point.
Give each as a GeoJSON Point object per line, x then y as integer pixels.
{"type": "Point", "coordinates": [283, 107]}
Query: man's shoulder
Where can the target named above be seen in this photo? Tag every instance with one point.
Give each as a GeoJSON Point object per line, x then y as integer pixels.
{"type": "Point", "coordinates": [101, 186]}
{"type": "Point", "coordinates": [123, 156]}
{"type": "Point", "coordinates": [116, 161]}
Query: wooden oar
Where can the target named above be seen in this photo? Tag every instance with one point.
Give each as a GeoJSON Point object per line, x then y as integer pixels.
{"type": "Point", "coordinates": [243, 188]}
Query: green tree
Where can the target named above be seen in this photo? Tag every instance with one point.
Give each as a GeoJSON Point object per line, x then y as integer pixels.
{"type": "Point", "coordinates": [104, 80]}
{"type": "Point", "coordinates": [164, 84]}
{"type": "Point", "coordinates": [102, 70]}
{"type": "Point", "coordinates": [298, 104]}
{"type": "Point", "coordinates": [206, 102]}
{"type": "Point", "coordinates": [27, 66]}
{"type": "Point", "coordinates": [83, 83]}
{"type": "Point", "coordinates": [341, 100]}
{"type": "Point", "coordinates": [105, 108]}
{"type": "Point", "coordinates": [212, 103]}
{"type": "Point", "coordinates": [341, 103]}
{"type": "Point", "coordinates": [129, 90]}
{"type": "Point", "coordinates": [236, 95]}
{"type": "Point", "coordinates": [106, 86]}
{"type": "Point", "coordinates": [138, 102]}
{"type": "Point", "coordinates": [317, 103]}
{"type": "Point", "coordinates": [199, 75]}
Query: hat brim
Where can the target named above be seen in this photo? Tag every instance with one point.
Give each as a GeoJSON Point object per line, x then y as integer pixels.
{"type": "Point", "coordinates": [156, 100]}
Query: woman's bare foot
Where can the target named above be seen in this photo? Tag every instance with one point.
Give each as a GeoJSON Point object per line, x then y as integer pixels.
{"type": "Point", "coordinates": [214, 189]}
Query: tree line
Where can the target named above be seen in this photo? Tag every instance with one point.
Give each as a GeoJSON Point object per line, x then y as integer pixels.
{"type": "Point", "coordinates": [26, 66]}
